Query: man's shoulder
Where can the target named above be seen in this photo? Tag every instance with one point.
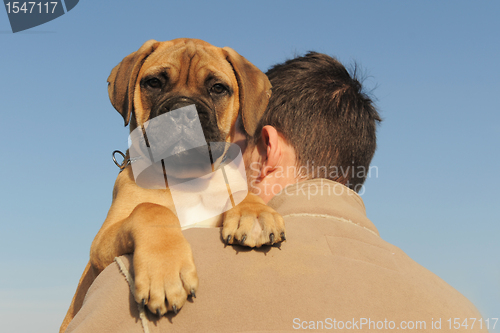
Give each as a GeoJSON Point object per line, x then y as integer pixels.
{"type": "Point", "coordinates": [333, 256]}
{"type": "Point", "coordinates": [325, 270]}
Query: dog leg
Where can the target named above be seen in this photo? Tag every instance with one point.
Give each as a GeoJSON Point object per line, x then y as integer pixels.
{"type": "Point", "coordinates": [252, 223]}
{"type": "Point", "coordinates": [163, 262]}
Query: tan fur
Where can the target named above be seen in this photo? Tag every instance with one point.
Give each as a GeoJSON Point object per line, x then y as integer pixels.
{"type": "Point", "coordinates": [142, 221]}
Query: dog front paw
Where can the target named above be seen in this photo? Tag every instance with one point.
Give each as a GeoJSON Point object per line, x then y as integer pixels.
{"type": "Point", "coordinates": [252, 223]}
{"type": "Point", "coordinates": [165, 275]}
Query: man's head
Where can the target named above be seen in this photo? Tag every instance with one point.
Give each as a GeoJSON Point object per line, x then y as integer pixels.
{"type": "Point", "coordinates": [319, 111]}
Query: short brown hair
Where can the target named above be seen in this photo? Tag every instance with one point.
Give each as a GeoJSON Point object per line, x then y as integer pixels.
{"type": "Point", "coordinates": [322, 112]}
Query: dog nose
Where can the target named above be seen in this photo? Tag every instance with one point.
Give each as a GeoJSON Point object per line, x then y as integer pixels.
{"type": "Point", "coordinates": [185, 116]}
{"type": "Point", "coordinates": [179, 102]}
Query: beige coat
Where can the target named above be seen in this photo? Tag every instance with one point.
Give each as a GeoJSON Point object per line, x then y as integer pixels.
{"type": "Point", "coordinates": [333, 272]}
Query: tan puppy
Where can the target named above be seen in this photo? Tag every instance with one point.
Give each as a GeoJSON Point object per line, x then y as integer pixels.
{"type": "Point", "coordinates": [159, 77]}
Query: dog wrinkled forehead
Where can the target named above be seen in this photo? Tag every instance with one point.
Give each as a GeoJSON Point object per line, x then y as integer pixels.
{"type": "Point", "coordinates": [193, 59]}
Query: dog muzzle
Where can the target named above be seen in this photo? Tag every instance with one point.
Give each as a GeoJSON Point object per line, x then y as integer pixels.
{"type": "Point", "coordinates": [170, 151]}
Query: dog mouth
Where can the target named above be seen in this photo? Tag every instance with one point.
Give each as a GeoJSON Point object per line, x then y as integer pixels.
{"type": "Point", "coordinates": [174, 144]}
{"type": "Point", "coordinates": [191, 163]}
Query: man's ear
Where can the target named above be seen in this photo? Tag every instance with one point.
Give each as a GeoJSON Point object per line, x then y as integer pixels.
{"type": "Point", "coordinates": [254, 89]}
{"type": "Point", "coordinates": [270, 149]}
{"type": "Point", "coordinates": [122, 80]}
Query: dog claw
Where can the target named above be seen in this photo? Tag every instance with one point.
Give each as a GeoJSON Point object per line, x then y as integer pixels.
{"type": "Point", "coordinates": [243, 239]}
{"type": "Point", "coordinates": [283, 238]}
{"type": "Point", "coordinates": [143, 302]}
{"type": "Point", "coordinates": [193, 293]}
{"type": "Point", "coordinates": [158, 312]}
{"type": "Point", "coordinates": [174, 308]}
{"type": "Point", "coordinates": [271, 238]}
{"type": "Point", "coordinates": [228, 239]}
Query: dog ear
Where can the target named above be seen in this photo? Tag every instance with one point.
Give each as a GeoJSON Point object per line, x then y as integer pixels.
{"type": "Point", "coordinates": [122, 80]}
{"type": "Point", "coordinates": [254, 89]}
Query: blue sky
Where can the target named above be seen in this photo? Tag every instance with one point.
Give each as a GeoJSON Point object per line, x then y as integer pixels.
{"type": "Point", "coordinates": [433, 67]}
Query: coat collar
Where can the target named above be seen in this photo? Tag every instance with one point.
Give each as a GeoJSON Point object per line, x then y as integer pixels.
{"type": "Point", "coordinates": [322, 198]}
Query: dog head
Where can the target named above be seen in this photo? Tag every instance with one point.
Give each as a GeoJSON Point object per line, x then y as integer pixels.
{"type": "Point", "coordinates": [163, 76]}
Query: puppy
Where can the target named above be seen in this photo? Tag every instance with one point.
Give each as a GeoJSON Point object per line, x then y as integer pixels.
{"type": "Point", "coordinates": [156, 79]}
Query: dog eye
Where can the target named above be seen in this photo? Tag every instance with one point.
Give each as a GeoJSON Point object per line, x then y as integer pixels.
{"type": "Point", "coordinates": [153, 83]}
{"type": "Point", "coordinates": [218, 88]}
